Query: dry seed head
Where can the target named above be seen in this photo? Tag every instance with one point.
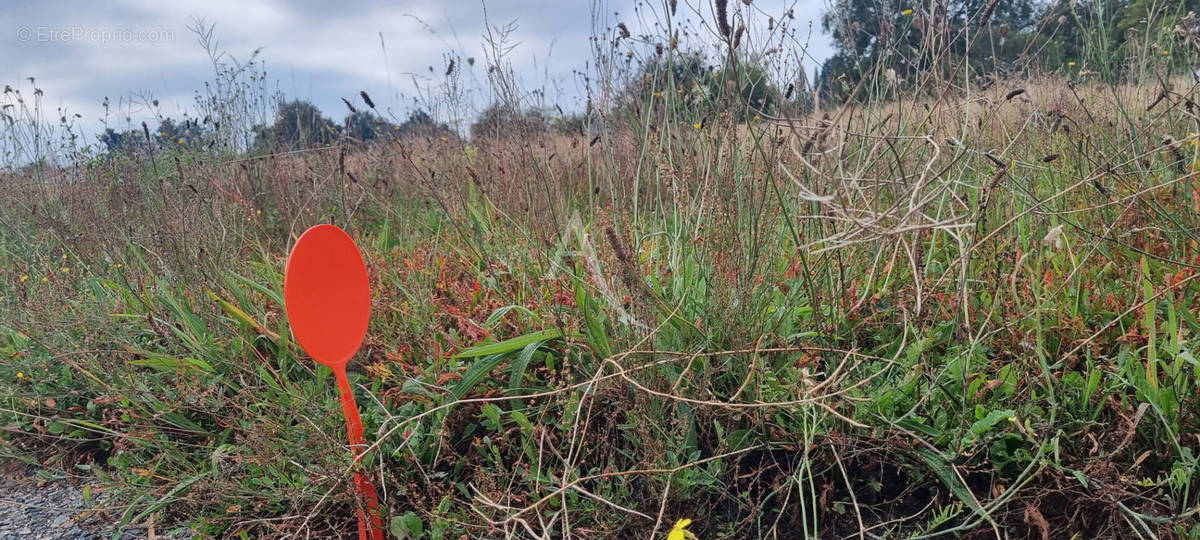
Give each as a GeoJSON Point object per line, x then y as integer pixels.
{"type": "Point", "coordinates": [737, 36]}
{"type": "Point", "coordinates": [987, 13]}
{"type": "Point", "coordinates": [722, 9]}
{"type": "Point", "coordinates": [624, 30]}
{"type": "Point", "coordinates": [1054, 237]}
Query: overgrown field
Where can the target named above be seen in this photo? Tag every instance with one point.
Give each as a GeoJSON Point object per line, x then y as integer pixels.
{"type": "Point", "coordinates": [931, 311]}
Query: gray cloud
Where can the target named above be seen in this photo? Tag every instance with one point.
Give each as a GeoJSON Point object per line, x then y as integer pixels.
{"type": "Point", "coordinates": [81, 52]}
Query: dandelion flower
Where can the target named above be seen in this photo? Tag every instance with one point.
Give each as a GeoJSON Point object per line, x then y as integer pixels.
{"type": "Point", "coordinates": [45, 279]}
{"type": "Point", "coordinates": [906, 12]}
{"type": "Point", "coordinates": [1166, 52]}
{"type": "Point", "coordinates": [20, 375]}
{"type": "Point", "coordinates": [680, 532]}
{"type": "Point", "coordinates": [697, 125]}
{"type": "Point", "coordinates": [1071, 64]}
{"type": "Point", "coordinates": [66, 269]}
{"type": "Point", "coordinates": [24, 279]}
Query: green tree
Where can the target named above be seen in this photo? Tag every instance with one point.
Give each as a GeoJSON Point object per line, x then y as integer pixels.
{"type": "Point", "coordinates": [691, 87]}
{"type": "Point", "coordinates": [186, 134]}
{"type": "Point", "coordinates": [872, 37]}
{"type": "Point", "coordinates": [499, 120]}
{"type": "Point", "coordinates": [298, 124]}
{"type": "Point", "coordinates": [366, 127]}
{"type": "Point", "coordinates": [420, 124]}
{"type": "Point", "coordinates": [747, 88]}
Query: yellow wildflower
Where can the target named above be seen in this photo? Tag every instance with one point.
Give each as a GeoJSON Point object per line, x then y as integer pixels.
{"type": "Point", "coordinates": [906, 12]}
{"type": "Point", "coordinates": [680, 532]}
{"type": "Point", "coordinates": [45, 279]}
{"type": "Point", "coordinates": [1071, 64]}
{"type": "Point", "coordinates": [66, 269]}
{"type": "Point", "coordinates": [180, 141]}
{"type": "Point", "coordinates": [696, 125]}
{"type": "Point", "coordinates": [1166, 52]}
{"type": "Point", "coordinates": [24, 279]}
{"type": "Point", "coordinates": [20, 375]}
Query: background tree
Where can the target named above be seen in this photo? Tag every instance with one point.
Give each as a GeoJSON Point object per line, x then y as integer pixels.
{"type": "Point", "coordinates": [694, 87]}
{"type": "Point", "coordinates": [872, 37]}
{"type": "Point", "coordinates": [298, 124]}
{"type": "Point", "coordinates": [420, 124]}
{"type": "Point", "coordinates": [367, 127]}
{"type": "Point", "coordinates": [499, 120]}
{"type": "Point", "coordinates": [186, 134]}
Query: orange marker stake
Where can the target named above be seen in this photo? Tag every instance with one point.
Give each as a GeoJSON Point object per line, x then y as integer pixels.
{"type": "Point", "coordinates": [328, 302]}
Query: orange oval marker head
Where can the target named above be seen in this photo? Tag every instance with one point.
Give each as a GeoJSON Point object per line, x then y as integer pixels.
{"type": "Point", "coordinates": [328, 301]}
{"type": "Point", "coordinates": [327, 295]}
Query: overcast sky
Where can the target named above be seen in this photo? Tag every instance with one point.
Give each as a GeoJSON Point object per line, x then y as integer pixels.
{"type": "Point", "coordinates": [81, 52]}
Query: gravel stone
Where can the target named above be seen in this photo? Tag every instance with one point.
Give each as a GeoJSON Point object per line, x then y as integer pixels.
{"type": "Point", "coordinates": [33, 508]}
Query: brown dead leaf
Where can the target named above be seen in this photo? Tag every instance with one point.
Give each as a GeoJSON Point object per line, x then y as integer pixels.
{"type": "Point", "coordinates": [1034, 518]}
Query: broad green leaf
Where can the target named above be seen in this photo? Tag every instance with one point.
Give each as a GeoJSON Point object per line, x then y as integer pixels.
{"type": "Point", "coordinates": [509, 345]}
{"type": "Point", "coordinates": [242, 316]}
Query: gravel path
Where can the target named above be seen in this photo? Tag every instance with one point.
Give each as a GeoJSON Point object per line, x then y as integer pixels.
{"type": "Point", "coordinates": [32, 507]}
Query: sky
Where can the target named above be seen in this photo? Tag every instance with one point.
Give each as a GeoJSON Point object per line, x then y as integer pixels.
{"type": "Point", "coordinates": [135, 51]}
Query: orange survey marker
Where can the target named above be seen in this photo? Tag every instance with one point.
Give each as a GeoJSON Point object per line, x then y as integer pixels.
{"type": "Point", "coordinates": [328, 302]}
